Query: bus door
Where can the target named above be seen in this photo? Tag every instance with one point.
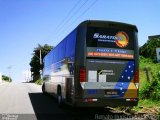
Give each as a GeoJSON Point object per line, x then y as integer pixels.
{"type": "Point", "coordinates": [68, 89]}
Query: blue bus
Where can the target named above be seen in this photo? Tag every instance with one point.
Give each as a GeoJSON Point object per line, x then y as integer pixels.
{"type": "Point", "coordinates": [96, 65]}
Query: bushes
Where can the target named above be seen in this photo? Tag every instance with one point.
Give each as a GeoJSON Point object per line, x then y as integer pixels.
{"type": "Point", "coordinates": [151, 90]}
{"type": "Point", "coordinates": [148, 50]}
{"type": "Point", "coordinates": [39, 82]}
{"type": "Point", "coordinates": [145, 60]}
{"type": "Point", "coordinates": [6, 78]}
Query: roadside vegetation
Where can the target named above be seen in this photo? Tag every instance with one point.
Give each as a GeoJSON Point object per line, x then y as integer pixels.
{"type": "Point", "coordinates": [39, 82]}
{"type": "Point", "coordinates": [36, 62]}
{"type": "Point", "coordinates": [6, 78]}
{"type": "Point", "coordinates": [148, 50]}
{"type": "Point", "coordinates": [149, 75]}
{"type": "Point", "coordinates": [149, 92]}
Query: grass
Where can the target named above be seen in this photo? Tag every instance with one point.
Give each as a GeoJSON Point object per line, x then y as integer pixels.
{"type": "Point", "coordinates": [39, 82]}
{"type": "Point", "coordinates": [152, 69]}
{"type": "Point", "coordinates": [147, 105]}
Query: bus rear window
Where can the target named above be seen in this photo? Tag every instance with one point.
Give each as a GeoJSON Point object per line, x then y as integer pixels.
{"type": "Point", "coordinates": [110, 38]}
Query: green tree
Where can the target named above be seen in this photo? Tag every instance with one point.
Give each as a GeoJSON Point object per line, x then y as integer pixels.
{"type": "Point", "coordinates": [35, 60]}
{"type": "Point", "coordinates": [149, 49]}
{"type": "Point", "coordinates": [6, 78]}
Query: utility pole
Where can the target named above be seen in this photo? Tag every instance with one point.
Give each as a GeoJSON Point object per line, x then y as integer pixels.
{"type": "Point", "coordinates": [40, 56]}
{"type": "Point", "coordinates": [9, 69]}
{"type": "Point", "coordinates": [40, 59]}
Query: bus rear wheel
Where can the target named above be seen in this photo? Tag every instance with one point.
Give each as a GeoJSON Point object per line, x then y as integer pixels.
{"type": "Point", "coordinates": [59, 96]}
{"type": "Point", "coordinates": [43, 88]}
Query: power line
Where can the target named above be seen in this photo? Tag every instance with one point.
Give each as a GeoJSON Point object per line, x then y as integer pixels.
{"type": "Point", "coordinates": [69, 13]}
{"type": "Point", "coordinates": [67, 20]}
{"type": "Point", "coordinates": [82, 13]}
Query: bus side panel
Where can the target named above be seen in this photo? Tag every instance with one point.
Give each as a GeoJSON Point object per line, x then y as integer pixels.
{"type": "Point", "coordinates": [59, 64]}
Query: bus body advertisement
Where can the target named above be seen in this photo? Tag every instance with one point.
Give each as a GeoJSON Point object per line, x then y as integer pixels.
{"type": "Point", "coordinates": [96, 65]}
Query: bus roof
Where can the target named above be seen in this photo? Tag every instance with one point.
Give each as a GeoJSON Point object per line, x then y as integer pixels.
{"type": "Point", "coordinates": [101, 23]}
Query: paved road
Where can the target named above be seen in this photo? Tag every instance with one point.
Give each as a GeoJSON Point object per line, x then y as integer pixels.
{"type": "Point", "coordinates": [25, 101]}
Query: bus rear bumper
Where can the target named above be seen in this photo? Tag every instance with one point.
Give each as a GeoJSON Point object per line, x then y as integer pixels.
{"type": "Point", "coordinates": [107, 102]}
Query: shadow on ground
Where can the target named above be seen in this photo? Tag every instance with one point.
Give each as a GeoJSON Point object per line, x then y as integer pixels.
{"type": "Point", "coordinates": [46, 108]}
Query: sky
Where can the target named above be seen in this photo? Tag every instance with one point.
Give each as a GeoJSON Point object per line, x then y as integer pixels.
{"type": "Point", "coordinates": [26, 23]}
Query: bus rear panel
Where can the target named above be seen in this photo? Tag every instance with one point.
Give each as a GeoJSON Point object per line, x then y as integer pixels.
{"type": "Point", "coordinates": [108, 75]}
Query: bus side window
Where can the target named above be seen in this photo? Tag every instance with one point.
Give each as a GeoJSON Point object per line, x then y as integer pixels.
{"type": "Point", "coordinates": [71, 68]}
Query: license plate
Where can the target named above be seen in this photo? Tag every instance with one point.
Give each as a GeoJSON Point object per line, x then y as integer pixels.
{"type": "Point", "coordinates": [111, 92]}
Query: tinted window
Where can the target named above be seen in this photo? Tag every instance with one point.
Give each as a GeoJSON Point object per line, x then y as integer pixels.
{"type": "Point", "coordinates": [110, 38]}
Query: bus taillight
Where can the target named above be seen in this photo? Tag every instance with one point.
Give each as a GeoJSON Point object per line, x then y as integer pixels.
{"type": "Point", "coordinates": [82, 75]}
{"type": "Point", "coordinates": [136, 77]}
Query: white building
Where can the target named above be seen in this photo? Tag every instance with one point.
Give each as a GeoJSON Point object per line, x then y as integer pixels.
{"type": "Point", "coordinates": [26, 75]}
{"type": "Point", "coordinates": [158, 54]}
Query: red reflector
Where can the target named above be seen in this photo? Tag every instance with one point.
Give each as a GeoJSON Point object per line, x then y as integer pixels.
{"type": "Point", "coordinates": [136, 76]}
{"type": "Point", "coordinates": [82, 75]}
{"type": "Point", "coordinates": [131, 99]}
{"type": "Point", "coordinates": [90, 100]}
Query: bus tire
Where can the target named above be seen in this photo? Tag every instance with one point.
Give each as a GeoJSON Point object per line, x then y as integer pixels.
{"type": "Point", "coordinates": [59, 96]}
{"type": "Point", "coordinates": [43, 89]}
